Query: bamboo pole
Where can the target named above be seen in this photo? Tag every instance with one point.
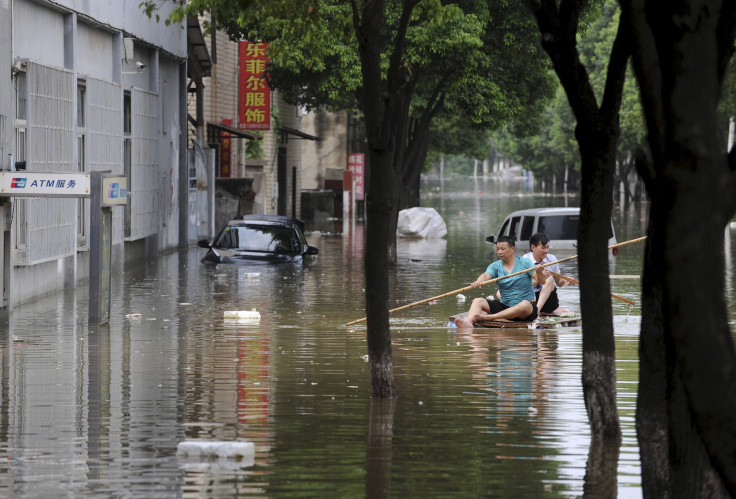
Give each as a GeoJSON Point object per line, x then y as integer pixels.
{"type": "Point", "coordinates": [578, 282]}
{"type": "Point", "coordinates": [468, 288]}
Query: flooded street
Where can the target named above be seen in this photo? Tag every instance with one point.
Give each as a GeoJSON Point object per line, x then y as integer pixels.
{"type": "Point", "coordinates": [99, 413]}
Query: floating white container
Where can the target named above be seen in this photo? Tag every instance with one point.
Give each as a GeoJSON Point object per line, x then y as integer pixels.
{"type": "Point", "coordinates": [216, 449]}
{"type": "Point", "coordinates": [242, 314]}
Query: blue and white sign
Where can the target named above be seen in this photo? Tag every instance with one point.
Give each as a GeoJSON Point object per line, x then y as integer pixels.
{"type": "Point", "coordinates": [39, 184]}
{"type": "Point", "coordinates": [114, 191]}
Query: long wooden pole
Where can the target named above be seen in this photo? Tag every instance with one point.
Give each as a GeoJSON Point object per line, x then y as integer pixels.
{"type": "Point", "coordinates": [578, 282]}
{"type": "Point", "coordinates": [468, 288]}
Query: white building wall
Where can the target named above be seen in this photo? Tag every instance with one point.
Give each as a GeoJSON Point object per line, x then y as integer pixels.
{"type": "Point", "coordinates": [105, 138]}
{"type": "Point", "coordinates": [329, 152]}
{"type": "Point", "coordinates": [85, 40]}
{"type": "Point", "coordinates": [50, 222]}
{"type": "Point", "coordinates": [44, 45]}
{"type": "Point", "coordinates": [144, 188]}
{"type": "Point", "coordinates": [127, 16]}
{"type": "Point", "coordinates": [168, 146]}
{"type": "Point", "coordinates": [94, 52]}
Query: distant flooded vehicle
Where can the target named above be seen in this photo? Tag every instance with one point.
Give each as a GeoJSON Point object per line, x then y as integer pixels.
{"type": "Point", "coordinates": [259, 238]}
{"type": "Point", "coordinates": [560, 225]}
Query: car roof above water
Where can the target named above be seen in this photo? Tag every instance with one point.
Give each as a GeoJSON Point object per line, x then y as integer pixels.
{"type": "Point", "coordinates": [561, 227]}
{"type": "Point", "coordinates": [269, 220]}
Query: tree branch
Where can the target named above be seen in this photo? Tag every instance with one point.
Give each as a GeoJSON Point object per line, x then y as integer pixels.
{"type": "Point", "coordinates": [570, 16]}
{"type": "Point", "coordinates": [725, 34]}
{"type": "Point", "coordinates": [558, 29]}
{"type": "Point", "coordinates": [616, 75]}
{"type": "Point", "coordinates": [395, 62]}
{"type": "Point", "coordinates": [648, 72]}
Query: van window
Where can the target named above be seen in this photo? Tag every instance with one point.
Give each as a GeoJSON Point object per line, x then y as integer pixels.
{"type": "Point", "coordinates": [504, 228]}
{"type": "Point", "coordinates": [526, 228]}
{"type": "Point", "coordinates": [559, 226]}
{"type": "Point", "coordinates": [514, 229]}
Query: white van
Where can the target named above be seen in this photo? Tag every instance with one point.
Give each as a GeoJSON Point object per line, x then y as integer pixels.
{"type": "Point", "coordinates": [560, 225]}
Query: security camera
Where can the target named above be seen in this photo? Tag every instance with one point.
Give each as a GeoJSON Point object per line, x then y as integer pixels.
{"type": "Point", "coordinates": [140, 66]}
{"type": "Point", "coordinates": [19, 65]}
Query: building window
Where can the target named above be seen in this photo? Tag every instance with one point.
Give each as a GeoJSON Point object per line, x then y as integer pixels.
{"type": "Point", "coordinates": [127, 159]}
{"type": "Point", "coordinates": [81, 161]}
{"type": "Point", "coordinates": [21, 115]}
{"type": "Point", "coordinates": [21, 97]}
{"type": "Point", "coordinates": [126, 113]}
{"type": "Point", "coordinates": [81, 218]}
{"type": "Point", "coordinates": [81, 91]}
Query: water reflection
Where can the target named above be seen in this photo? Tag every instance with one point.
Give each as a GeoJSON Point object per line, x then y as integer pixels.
{"type": "Point", "coordinates": [99, 412]}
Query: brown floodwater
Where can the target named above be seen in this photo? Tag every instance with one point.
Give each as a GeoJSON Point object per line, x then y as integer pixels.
{"type": "Point", "coordinates": [99, 412]}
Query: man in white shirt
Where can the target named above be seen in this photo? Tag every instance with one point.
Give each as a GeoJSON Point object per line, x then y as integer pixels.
{"type": "Point", "coordinates": [547, 301]}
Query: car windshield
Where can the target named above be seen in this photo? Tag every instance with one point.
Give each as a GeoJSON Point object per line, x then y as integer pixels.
{"type": "Point", "coordinates": [562, 226]}
{"type": "Point", "coordinates": [559, 226]}
{"type": "Point", "coordinates": [266, 238]}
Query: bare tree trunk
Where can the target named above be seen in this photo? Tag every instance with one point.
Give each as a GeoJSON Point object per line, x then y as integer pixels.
{"type": "Point", "coordinates": [597, 149]}
{"type": "Point", "coordinates": [381, 197]}
{"type": "Point", "coordinates": [380, 202]}
{"type": "Point", "coordinates": [651, 403]}
{"type": "Point", "coordinates": [596, 133]}
{"type": "Point", "coordinates": [682, 52]}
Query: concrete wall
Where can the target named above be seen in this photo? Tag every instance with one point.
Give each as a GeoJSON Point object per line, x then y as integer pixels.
{"type": "Point", "coordinates": [127, 16]}
{"type": "Point", "coordinates": [87, 39]}
{"type": "Point", "coordinates": [329, 152]}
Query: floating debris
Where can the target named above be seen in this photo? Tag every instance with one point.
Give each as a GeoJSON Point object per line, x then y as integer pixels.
{"type": "Point", "coordinates": [216, 449]}
{"type": "Point", "coordinates": [242, 314]}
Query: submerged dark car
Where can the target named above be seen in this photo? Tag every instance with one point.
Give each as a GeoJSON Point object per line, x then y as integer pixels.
{"type": "Point", "coordinates": [259, 238]}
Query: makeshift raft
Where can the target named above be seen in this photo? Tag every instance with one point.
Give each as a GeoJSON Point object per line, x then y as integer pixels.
{"type": "Point", "coordinates": [543, 322]}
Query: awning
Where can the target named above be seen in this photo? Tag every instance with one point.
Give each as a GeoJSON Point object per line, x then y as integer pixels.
{"type": "Point", "coordinates": [297, 133]}
{"type": "Point", "coordinates": [199, 63]}
{"type": "Point", "coordinates": [211, 127]}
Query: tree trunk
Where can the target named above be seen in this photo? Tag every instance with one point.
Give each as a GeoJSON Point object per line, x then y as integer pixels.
{"type": "Point", "coordinates": [651, 403]}
{"type": "Point", "coordinates": [597, 134]}
{"type": "Point", "coordinates": [380, 202]}
{"type": "Point", "coordinates": [381, 192]}
{"type": "Point", "coordinates": [597, 150]}
{"type": "Point", "coordinates": [682, 51]}
{"type": "Point", "coordinates": [415, 154]}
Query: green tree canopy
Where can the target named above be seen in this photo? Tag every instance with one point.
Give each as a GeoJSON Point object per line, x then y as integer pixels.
{"type": "Point", "coordinates": [554, 147]}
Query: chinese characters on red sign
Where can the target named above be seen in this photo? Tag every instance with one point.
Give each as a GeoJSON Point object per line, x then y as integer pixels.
{"type": "Point", "coordinates": [254, 109]}
{"type": "Point", "coordinates": [356, 163]}
{"type": "Point", "coordinates": [225, 150]}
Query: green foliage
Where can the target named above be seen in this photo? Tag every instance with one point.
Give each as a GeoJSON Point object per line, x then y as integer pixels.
{"type": "Point", "coordinates": [727, 102]}
{"type": "Point", "coordinates": [546, 153]}
{"type": "Point", "coordinates": [482, 57]}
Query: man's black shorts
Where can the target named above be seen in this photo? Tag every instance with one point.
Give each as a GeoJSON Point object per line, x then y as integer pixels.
{"type": "Point", "coordinates": [496, 306]}
{"type": "Point", "coordinates": [552, 303]}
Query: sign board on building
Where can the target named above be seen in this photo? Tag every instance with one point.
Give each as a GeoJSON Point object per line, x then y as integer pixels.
{"type": "Point", "coordinates": [40, 184]}
{"type": "Point", "coordinates": [356, 164]}
{"type": "Point", "coordinates": [254, 106]}
{"type": "Point", "coordinates": [225, 150]}
{"type": "Point", "coordinates": [114, 191]}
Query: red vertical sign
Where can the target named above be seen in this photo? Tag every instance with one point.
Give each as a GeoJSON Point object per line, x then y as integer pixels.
{"type": "Point", "coordinates": [225, 151]}
{"type": "Point", "coordinates": [356, 164]}
{"type": "Point", "coordinates": [254, 109]}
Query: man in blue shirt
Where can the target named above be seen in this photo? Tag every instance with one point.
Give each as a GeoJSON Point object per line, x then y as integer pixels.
{"type": "Point", "coordinates": [518, 301]}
